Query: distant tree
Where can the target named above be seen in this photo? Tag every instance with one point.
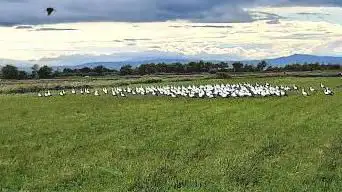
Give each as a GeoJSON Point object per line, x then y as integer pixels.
{"type": "Point", "coordinates": [85, 70]}
{"type": "Point", "coordinates": [99, 70]}
{"type": "Point", "coordinates": [67, 70]}
{"type": "Point", "coordinates": [237, 66]}
{"type": "Point", "coordinates": [261, 66]}
{"type": "Point", "coordinates": [45, 72]}
{"type": "Point", "coordinates": [126, 70]}
{"type": "Point", "coordinates": [147, 69]}
{"type": "Point", "coordinates": [35, 69]}
{"type": "Point", "coordinates": [249, 68]}
{"type": "Point", "coordinates": [162, 68]}
{"type": "Point", "coordinates": [9, 72]}
{"type": "Point", "coordinates": [22, 75]}
{"type": "Point", "coordinates": [57, 73]}
{"type": "Point", "coordinates": [223, 65]}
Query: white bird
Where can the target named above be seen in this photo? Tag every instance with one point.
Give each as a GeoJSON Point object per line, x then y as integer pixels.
{"type": "Point", "coordinates": [73, 91]}
{"type": "Point", "coordinates": [105, 90]}
{"type": "Point", "coordinates": [312, 89]}
{"type": "Point", "coordinates": [304, 93]}
{"type": "Point", "coordinates": [40, 95]}
{"type": "Point", "coordinates": [327, 91]}
{"type": "Point", "coordinates": [96, 93]}
{"type": "Point", "coordinates": [113, 92]}
{"type": "Point", "coordinates": [47, 94]}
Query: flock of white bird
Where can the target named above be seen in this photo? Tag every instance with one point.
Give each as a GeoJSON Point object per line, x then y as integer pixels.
{"type": "Point", "coordinates": [201, 91]}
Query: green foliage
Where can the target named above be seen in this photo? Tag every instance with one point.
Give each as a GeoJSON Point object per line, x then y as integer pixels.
{"type": "Point", "coordinates": [223, 75]}
{"type": "Point", "coordinates": [45, 72]}
{"type": "Point", "coordinates": [22, 75]}
{"type": "Point", "coordinates": [238, 67]}
{"type": "Point", "coordinates": [261, 66]}
{"type": "Point", "coordinates": [9, 72]}
{"type": "Point", "coordinates": [149, 80]}
{"type": "Point", "coordinates": [126, 70]}
{"type": "Point", "coordinates": [35, 69]}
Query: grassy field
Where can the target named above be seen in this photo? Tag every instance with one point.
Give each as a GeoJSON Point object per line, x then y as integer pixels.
{"type": "Point", "coordinates": [88, 143]}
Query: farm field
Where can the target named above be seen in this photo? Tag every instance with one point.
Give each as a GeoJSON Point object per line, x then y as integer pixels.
{"type": "Point", "coordinates": [88, 143]}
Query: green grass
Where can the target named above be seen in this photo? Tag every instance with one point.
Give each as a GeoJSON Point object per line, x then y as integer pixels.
{"type": "Point", "coordinates": [88, 143]}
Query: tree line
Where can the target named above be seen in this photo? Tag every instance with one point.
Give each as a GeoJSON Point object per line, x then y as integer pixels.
{"type": "Point", "coordinates": [209, 67]}
{"type": "Point", "coordinates": [12, 72]}
{"type": "Point", "coordinates": [45, 72]}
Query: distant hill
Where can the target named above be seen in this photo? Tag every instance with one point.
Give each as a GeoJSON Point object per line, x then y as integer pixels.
{"type": "Point", "coordinates": [302, 58]}
{"type": "Point", "coordinates": [119, 64]}
{"type": "Point", "coordinates": [281, 61]}
{"type": "Point", "coordinates": [76, 62]}
{"type": "Point", "coordinates": [22, 65]}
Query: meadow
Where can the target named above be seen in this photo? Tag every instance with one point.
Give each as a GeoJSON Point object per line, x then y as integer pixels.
{"type": "Point", "coordinates": [88, 143]}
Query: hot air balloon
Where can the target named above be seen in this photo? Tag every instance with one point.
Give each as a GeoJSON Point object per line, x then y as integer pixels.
{"type": "Point", "coordinates": [49, 10]}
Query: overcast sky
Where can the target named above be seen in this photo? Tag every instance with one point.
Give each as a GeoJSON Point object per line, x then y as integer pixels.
{"type": "Point", "coordinates": [239, 29]}
{"type": "Point", "coordinates": [33, 11]}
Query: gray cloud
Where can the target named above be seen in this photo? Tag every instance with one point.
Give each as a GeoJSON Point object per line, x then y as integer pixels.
{"type": "Point", "coordinates": [275, 21]}
{"type": "Point", "coordinates": [24, 12]}
{"type": "Point", "coordinates": [141, 39]}
{"type": "Point", "coordinates": [314, 14]}
{"type": "Point", "coordinates": [54, 29]}
{"type": "Point", "coordinates": [24, 27]}
{"type": "Point", "coordinates": [202, 26]}
{"type": "Point", "coordinates": [29, 27]}
{"type": "Point", "coordinates": [302, 36]}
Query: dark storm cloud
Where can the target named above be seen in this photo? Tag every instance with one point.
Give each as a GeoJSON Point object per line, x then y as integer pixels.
{"type": "Point", "coordinates": [24, 12]}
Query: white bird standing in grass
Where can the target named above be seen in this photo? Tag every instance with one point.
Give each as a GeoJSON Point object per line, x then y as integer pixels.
{"type": "Point", "coordinates": [312, 89]}
{"type": "Point", "coordinates": [105, 90]}
{"type": "Point", "coordinates": [73, 91]}
{"type": "Point", "coordinates": [327, 91]}
{"type": "Point", "coordinates": [47, 94]}
{"type": "Point", "coordinates": [96, 93]}
{"type": "Point", "coordinates": [304, 93]}
{"type": "Point", "coordinates": [40, 95]}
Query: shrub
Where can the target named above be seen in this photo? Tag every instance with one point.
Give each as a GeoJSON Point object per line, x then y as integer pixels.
{"type": "Point", "coordinates": [223, 75]}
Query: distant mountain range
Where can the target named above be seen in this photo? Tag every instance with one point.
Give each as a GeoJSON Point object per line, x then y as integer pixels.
{"type": "Point", "coordinates": [281, 61]}
{"type": "Point", "coordinates": [119, 64]}
{"type": "Point", "coordinates": [81, 62]}
{"type": "Point", "coordinates": [302, 58]}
